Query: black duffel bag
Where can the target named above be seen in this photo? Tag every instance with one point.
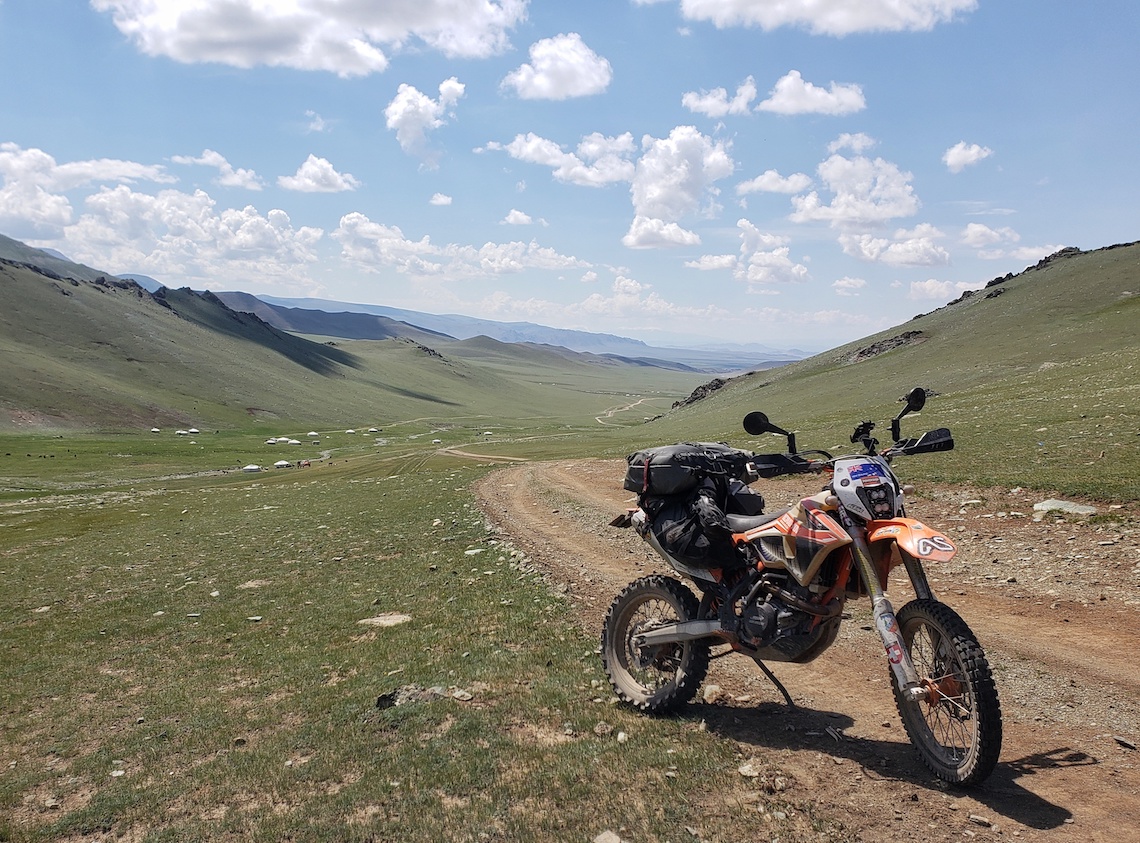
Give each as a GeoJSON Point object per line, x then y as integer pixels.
{"type": "Point", "coordinates": [677, 469]}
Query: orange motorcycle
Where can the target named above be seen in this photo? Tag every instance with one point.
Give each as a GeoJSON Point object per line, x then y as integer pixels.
{"type": "Point", "coordinates": [774, 585]}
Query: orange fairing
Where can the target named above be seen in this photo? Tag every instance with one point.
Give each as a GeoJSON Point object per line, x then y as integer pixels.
{"type": "Point", "coordinates": [802, 537]}
{"type": "Point", "coordinates": [912, 537]}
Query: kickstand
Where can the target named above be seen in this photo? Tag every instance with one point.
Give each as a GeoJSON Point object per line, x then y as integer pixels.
{"type": "Point", "coordinates": [779, 686]}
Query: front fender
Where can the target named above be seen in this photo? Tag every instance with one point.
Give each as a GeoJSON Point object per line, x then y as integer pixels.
{"type": "Point", "coordinates": [913, 537]}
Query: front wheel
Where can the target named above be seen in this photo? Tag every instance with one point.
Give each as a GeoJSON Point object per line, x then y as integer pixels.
{"type": "Point", "coordinates": [956, 727]}
{"type": "Point", "coordinates": [660, 677]}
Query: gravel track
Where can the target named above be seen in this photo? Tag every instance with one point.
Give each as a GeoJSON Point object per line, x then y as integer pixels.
{"type": "Point", "coordinates": [1055, 603]}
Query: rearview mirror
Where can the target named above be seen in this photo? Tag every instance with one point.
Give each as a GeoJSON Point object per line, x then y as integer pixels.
{"type": "Point", "coordinates": [756, 423]}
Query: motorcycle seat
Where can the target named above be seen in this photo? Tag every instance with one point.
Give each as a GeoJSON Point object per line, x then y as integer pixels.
{"type": "Point", "coordinates": [744, 523]}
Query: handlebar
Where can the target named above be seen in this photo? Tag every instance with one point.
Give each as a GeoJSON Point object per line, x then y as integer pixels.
{"type": "Point", "coordinates": [795, 461]}
{"type": "Point", "coordinates": [777, 465]}
{"type": "Point", "coordinates": [768, 466]}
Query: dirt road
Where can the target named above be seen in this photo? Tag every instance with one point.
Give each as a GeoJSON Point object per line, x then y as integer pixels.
{"type": "Point", "coordinates": [1056, 604]}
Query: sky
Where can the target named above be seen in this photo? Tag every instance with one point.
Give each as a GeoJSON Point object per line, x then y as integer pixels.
{"type": "Point", "coordinates": [793, 173]}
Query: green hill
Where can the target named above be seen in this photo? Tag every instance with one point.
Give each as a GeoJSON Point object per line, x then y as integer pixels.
{"type": "Point", "coordinates": [1037, 374]}
{"type": "Point", "coordinates": [106, 354]}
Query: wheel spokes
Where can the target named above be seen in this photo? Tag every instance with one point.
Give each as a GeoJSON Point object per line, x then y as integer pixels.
{"type": "Point", "coordinates": [947, 709]}
{"type": "Point", "coordinates": [656, 665]}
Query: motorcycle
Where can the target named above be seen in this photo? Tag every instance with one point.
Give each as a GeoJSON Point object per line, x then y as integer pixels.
{"type": "Point", "coordinates": [777, 594]}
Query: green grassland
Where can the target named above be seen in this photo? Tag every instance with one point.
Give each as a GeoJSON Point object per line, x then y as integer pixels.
{"type": "Point", "coordinates": [192, 659]}
{"type": "Point", "coordinates": [184, 656]}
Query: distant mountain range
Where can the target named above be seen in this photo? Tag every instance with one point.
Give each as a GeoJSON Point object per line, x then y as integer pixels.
{"type": "Point", "coordinates": [349, 320]}
{"type": "Point", "coordinates": [86, 350]}
{"type": "Point", "coordinates": [322, 317]}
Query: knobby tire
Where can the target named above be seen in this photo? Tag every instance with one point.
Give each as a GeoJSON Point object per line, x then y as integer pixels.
{"type": "Point", "coordinates": [663, 677]}
{"type": "Point", "coordinates": [958, 731]}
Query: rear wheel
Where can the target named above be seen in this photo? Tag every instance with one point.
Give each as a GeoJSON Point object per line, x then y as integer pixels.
{"type": "Point", "coordinates": [956, 727]}
{"type": "Point", "coordinates": [661, 677]}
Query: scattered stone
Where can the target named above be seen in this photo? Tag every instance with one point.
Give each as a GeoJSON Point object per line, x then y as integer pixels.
{"type": "Point", "coordinates": [407, 694]}
{"type": "Point", "coordinates": [1124, 742]}
{"type": "Point", "coordinates": [1054, 505]}
{"type": "Point", "coordinates": [979, 820]}
{"type": "Point", "coordinates": [749, 771]}
{"type": "Point", "coordinates": [602, 729]}
{"type": "Point", "coordinates": [387, 619]}
{"type": "Point", "coordinates": [713, 694]}
{"type": "Point", "coordinates": [607, 837]}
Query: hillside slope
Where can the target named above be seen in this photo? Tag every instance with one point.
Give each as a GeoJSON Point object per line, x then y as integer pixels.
{"type": "Point", "coordinates": [346, 324]}
{"type": "Point", "coordinates": [106, 353]}
{"type": "Point", "coordinates": [1038, 374]}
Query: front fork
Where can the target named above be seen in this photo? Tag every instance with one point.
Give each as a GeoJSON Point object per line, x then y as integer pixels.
{"type": "Point", "coordinates": [885, 622]}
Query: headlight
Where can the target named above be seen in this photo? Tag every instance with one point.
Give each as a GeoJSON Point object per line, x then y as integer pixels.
{"type": "Point", "coordinates": [879, 500]}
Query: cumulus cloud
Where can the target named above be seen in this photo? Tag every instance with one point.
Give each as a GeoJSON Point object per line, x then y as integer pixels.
{"type": "Point", "coordinates": [764, 259]}
{"type": "Point", "coordinates": [674, 178]}
{"type": "Point", "coordinates": [317, 175]}
{"type": "Point", "coordinates": [715, 103]}
{"type": "Point", "coordinates": [932, 288]}
{"type": "Point", "coordinates": [712, 263]}
{"type": "Point", "coordinates": [652, 233]}
{"type": "Point", "coordinates": [517, 217]}
{"type": "Point", "coordinates": [1001, 244]}
{"type": "Point", "coordinates": [32, 184]}
{"type": "Point", "coordinates": [1032, 254]}
{"type": "Point", "coordinates": [962, 155]}
{"type": "Point", "coordinates": [629, 297]}
{"type": "Point", "coordinates": [227, 175]}
{"type": "Point", "coordinates": [560, 68]}
{"type": "Point", "coordinates": [857, 143]}
{"type": "Point", "coordinates": [848, 286]}
{"type": "Point", "coordinates": [440, 199]}
{"type": "Point", "coordinates": [990, 243]}
{"type": "Point", "coordinates": [836, 17]}
{"type": "Point", "coordinates": [793, 95]}
{"type": "Point", "coordinates": [917, 247]}
{"type": "Point", "coordinates": [339, 36]}
{"type": "Point", "coordinates": [412, 114]}
{"type": "Point", "coordinates": [980, 236]}
{"type": "Point", "coordinates": [865, 191]}
{"type": "Point", "coordinates": [373, 246]}
{"type": "Point", "coordinates": [39, 167]}
{"type": "Point", "coordinates": [184, 239]}
{"type": "Point", "coordinates": [771, 181]}
{"type": "Point", "coordinates": [598, 160]}
{"type": "Point", "coordinates": [316, 122]}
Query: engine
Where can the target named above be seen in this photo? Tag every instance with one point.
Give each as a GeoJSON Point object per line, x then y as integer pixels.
{"type": "Point", "coordinates": [775, 624]}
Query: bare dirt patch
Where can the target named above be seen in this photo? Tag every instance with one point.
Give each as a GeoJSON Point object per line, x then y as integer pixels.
{"type": "Point", "coordinates": [1056, 604]}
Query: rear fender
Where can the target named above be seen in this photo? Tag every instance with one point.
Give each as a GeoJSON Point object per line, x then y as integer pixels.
{"type": "Point", "coordinates": [912, 537]}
